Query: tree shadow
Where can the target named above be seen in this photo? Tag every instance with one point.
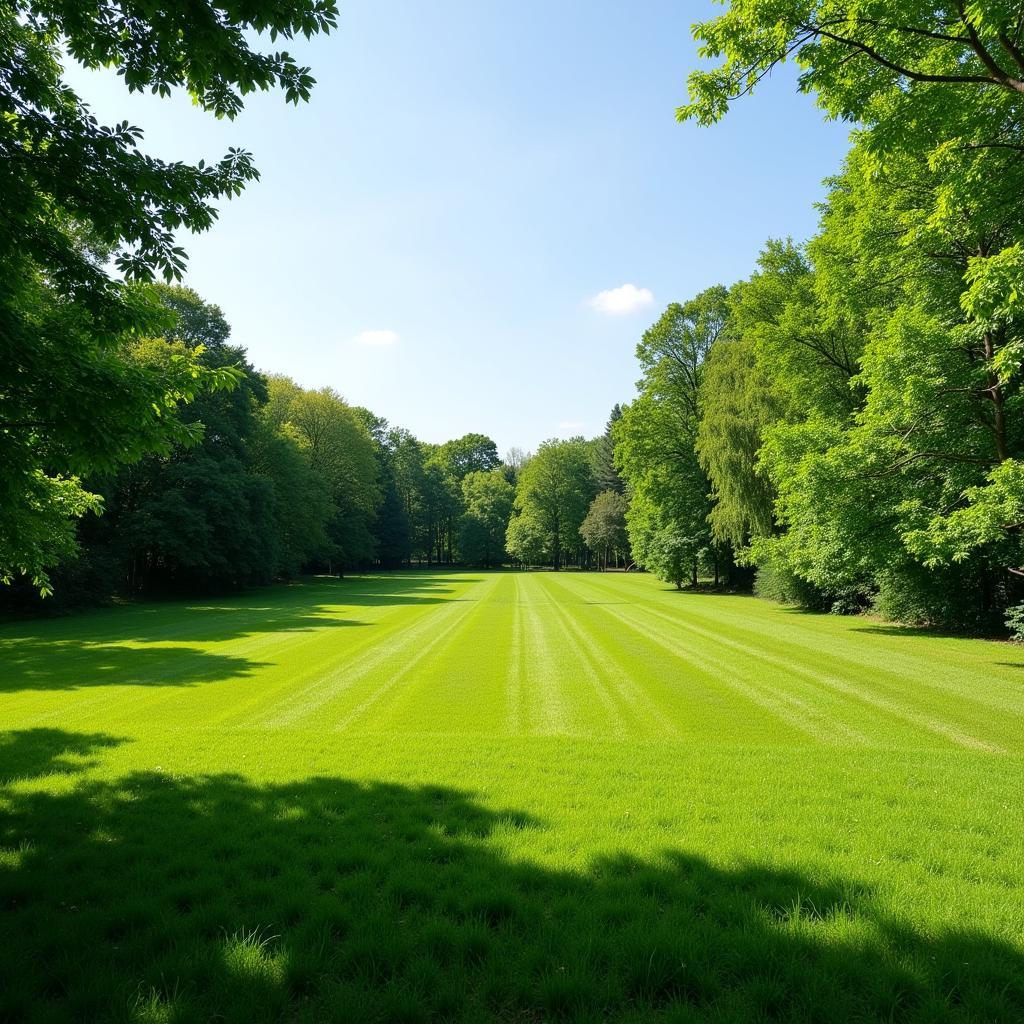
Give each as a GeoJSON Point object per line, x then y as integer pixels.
{"type": "Point", "coordinates": [91, 649]}
{"type": "Point", "coordinates": [38, 664]}
{"type": "Point", "coordinates": [899, 629]}
{"type": "Point", "coordinates": [304, 606]}
{"type": "Point", "coordinates": [163, 898]}
{"type": "Point", "coordinates": [30, 753]}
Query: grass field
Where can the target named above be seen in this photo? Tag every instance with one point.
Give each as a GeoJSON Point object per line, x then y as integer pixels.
{"type": "Point", "coordinates": [522, 797]}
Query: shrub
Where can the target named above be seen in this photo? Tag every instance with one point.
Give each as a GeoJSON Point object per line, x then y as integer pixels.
{"type": "Point", "coordinates": [775, 581]}
{"type": "Point", "coordinates": [970, 598]}
{"type": "Point", "coordinates": [1015, 622]}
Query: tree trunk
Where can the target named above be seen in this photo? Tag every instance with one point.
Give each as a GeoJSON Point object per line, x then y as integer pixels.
{"type": "Point", "coordinates": [995, 392]}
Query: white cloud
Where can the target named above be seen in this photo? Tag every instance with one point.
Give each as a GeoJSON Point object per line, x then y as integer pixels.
{"type": "Point", "coordinates": [377, 339]}
{"type": "Point", "coordinates": [570, 428]}
{"type": "Point", "coordinates": [627, 298]}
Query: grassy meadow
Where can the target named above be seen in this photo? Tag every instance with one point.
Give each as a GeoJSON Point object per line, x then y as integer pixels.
{"type": "Point", "coordinates": [519, 797]}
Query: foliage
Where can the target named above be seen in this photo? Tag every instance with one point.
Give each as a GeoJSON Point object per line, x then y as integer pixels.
{"type": "Point", "coordinates": [526, 539]}
{"type": "Point", "coordinates": [1015, 622]}
{"type": "Point", "coordinates": [512, 464]}
{"type": "Point", "coordinates": [301, 504]}
{"type": "Point", "coordinates": [738, 405]}
{"type": "Point", "coordinates": [487, 497]}
{"type": "Point", "coordinates": [655, 439]}
{"type": "Point", "coordinates": [199, 516]}
{"type": "Point", "coordinates": [127, 393]}
{"type": "Point", "coordinates": [606, 476]}
{"type": "Point", "coordinates": [341, 453]}
{"type": "Point", "coordinates": [604, 528]}
{"type": "Point", "coordinates": [471, 453]}
{"type": "Point", "coordinates": [775, 581]}
{"type": "Point", "coordinates": [893, 453]}
{"type": "Point", "coordinates": [554, 492]}
{"type": "Point", "coordinates": [76, 398]}
{"type": "Point", "coordinates": [670, 556]}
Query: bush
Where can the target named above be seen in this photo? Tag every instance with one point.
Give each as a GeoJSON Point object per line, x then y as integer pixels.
{"type": "Point", "coordinates": [851, 600]}
{"type": "Point", "coordinates": [1015, 622]}
{"type": "Point", "coordinates": [969, 598]}
{"type": "Point", "coordinates": [775, 581]}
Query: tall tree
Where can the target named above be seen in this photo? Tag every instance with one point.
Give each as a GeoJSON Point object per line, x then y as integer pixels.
{"type": "Point", "coordinates": [487, 498]}
{"type": "Point", "coordinates": [342, 454]}
{"type": "Point", "coordinates": [200, 515]}
{"type": "Point", "coordinates": [606, 476]}
{"type": "Point", "coordinates": [656, 436]}
{"type": "Point", "coordinates": [512, 464]}
{"type": "Point", "coordinates": [554, 492]}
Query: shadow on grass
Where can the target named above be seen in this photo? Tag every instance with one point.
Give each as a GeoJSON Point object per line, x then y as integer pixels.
{"type": "Point", "coordinates": [29, 753]}
{"type": "Point", "coordinates": [76, 664]}
{"type": "Point", "coordinates": [163, 898]}
{"type": "Point", "coordinates": [89, 650]}
{"type": "Point", "coordinates": [310, 604]}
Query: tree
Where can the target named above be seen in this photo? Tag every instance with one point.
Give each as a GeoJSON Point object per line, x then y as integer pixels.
{"type": "Point", "coordinates": [74, 398]}
{"type": "Point", "coordinates": [669, 555]}
{"type": "Point", "coordinates": [487, 498]}
{"type": "Point", "coordinates": [76, 402]}
{"type": "Point", "coordinates": [512, 464]}
{"type": "Point", "coordinates": [408, 467]}
{"type": "Point", "coordinates": [920, 256]}
{"type": "Point", "coordinates": [442, 498]}
{"type": "Point", "coordinates": [604, 528]}
{"type": "Point", "coordinates": [471, 453]}
{"type": "Point", "coordinates": [526, 539]}
{"type": "Point", "coordinates": [779, 356]}
{"type": "Point", "coordinates": [199, 515]}
{"type": "Point", "coordinates": [554, 492]}
{"type": "Point", "coordinates": [655, 437]}
{"type": "Point", "coordinates": [738, 406]}
{"type": "Point", "coordinates": [301, 504]}
{"type": "Point", "coordinates": [454, 461]}
{"type": "Point", "coordinates": [391, 531]}
{"type": "Point", "coordinates": [903, 68]}
{"type": "Point", "coordinates": [606, 476]}
{"type": "Point", "coordinates": [391, 526]}
{"type": "Point", "coordinates": [341, 453]}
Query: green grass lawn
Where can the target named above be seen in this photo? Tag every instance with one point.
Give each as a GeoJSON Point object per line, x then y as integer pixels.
{"type": "Point", "coordinates": [523, 797]}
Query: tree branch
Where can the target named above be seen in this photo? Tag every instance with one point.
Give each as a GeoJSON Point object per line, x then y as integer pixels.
{"type": "Point", "coordinates": [1003, 79]}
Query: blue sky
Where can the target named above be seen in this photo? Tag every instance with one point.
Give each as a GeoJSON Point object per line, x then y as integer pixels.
{"type": "Point", "coordinates": [431, 230]}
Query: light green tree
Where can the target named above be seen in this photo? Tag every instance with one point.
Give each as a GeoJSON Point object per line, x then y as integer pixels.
{"type": "Point", "coordinates": [487, 498]}
{"type": "Point", "coordinates": [554, 492]}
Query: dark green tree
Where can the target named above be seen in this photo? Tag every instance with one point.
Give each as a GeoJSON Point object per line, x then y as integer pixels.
{"type": "Point", "coordinates": [606, 476]}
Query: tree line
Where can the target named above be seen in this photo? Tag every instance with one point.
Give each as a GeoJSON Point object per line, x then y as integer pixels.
{"type": "Point", "coordinates": [264, 479]}
{"type": "Point", "coordinates": [848, 419]}
{"type": "Point", "coordinates": [125, 397]}
{"type": "Point", "coordinates": [845, 423]}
